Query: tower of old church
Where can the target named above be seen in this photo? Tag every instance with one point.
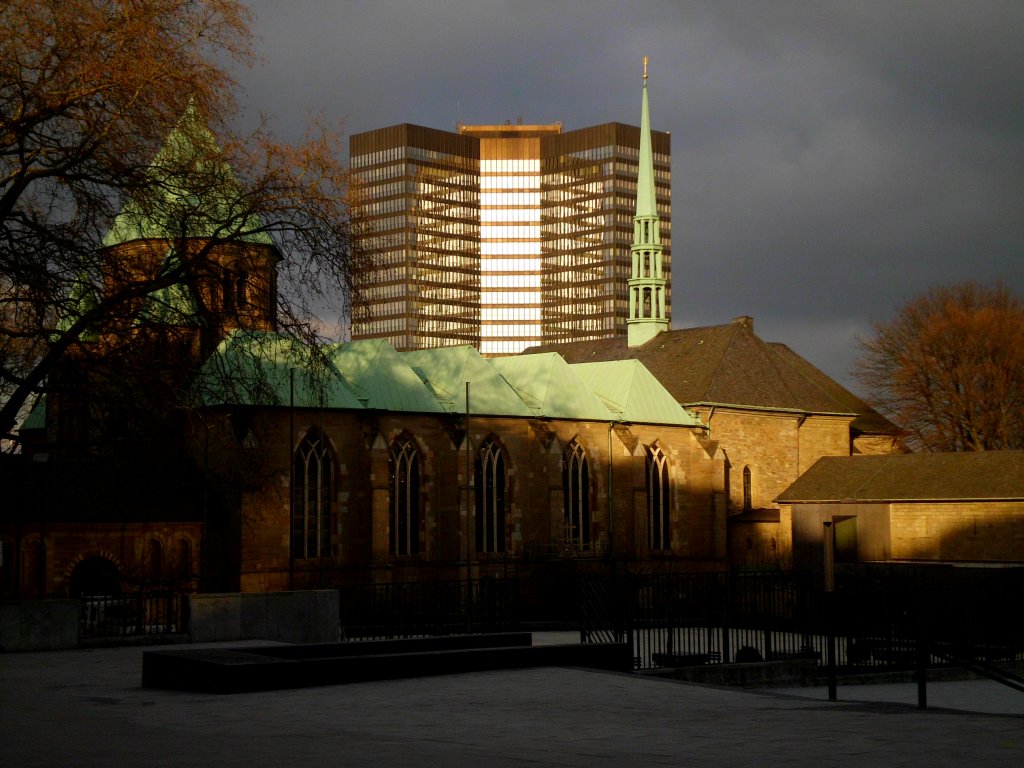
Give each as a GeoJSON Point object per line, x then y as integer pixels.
{"type": "Point", "coordinates": [648, 286]}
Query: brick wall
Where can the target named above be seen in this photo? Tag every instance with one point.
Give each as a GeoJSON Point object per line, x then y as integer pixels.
{"type": "Point", "coordinates": [40, 559]}
{"type": "Point", "coordinates": [776, 446]}
{"type": "Point", "coordinates": [984, 530]}
{"type": "Point", "coordinates": [360, 520]}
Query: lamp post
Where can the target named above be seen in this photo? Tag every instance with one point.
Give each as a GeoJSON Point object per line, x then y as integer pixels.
{"type": "Point", "coordinates": [830, 587]}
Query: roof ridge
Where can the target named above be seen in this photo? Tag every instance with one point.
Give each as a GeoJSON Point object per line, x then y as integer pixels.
{"type": "Point", "coordinates": [721, 359]}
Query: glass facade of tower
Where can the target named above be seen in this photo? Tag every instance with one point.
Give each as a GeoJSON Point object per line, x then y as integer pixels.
{"type": "Point", "coordinates": [502, 237]}
{"type": "Point", "coordinates": [417, 191]}
{"type": "Point", "coordinates": [589, 203]}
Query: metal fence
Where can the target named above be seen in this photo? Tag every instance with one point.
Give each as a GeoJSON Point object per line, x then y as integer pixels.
{"type": "Point", "coordinates": [424, 609]}
{"type": "Point", "coordinates": [139, 613]}
{"type": "Point", "coordinates": [875, 620]}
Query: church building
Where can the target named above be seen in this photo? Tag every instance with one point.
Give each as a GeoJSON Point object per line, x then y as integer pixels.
{"type": "Point", "coordinates": [281, 466]}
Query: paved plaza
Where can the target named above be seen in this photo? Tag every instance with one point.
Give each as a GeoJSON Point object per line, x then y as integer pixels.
{"type": "Point", "coordinates": [86, 708]}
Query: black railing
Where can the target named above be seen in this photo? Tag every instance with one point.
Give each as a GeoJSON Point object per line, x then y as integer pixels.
{"type": "Point", "coordinates": [693, 618]}
{"type": "Point", "coordinates": [425, 609]}
{"type": "Point", "coordinates": [139, 613]}
{"type": "Point", "coordinates": [883, 622]}
{"type": "Point", "coordinates": [957, 616]}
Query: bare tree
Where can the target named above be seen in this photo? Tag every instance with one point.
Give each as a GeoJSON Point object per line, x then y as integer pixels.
{"type": "Point", "coordinates": [949, 368]}
{"type": "Point", "coordinates": [115, 193]}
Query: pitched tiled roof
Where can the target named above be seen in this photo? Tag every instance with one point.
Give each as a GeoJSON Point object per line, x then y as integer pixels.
{"type": "Point", "coordinates": [985, 475]}
{"type": "Point", "coordinates": [632, 392]}
{"type": "Point", "coordinates": [445, 370]}
{"type": "Point", "coordinates": [384, 377]}
{"type": "Point", "coordinates": [868, 421]}
{"type": "Point", "coordinates": [548, 385]}
{"type": "Point", "coordinates": [266, 368]}
{"type": "Point", "coordinates": [730, 365]}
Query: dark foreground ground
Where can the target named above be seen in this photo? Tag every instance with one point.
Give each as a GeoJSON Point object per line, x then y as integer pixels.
{"type": "Point", "coordinates": [87, 708]}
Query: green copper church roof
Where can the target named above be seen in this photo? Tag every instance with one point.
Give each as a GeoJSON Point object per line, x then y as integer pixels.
{"type": "Point", "coordinates": [36, 418]}
{"type": "Point", "coordinates": [445, 370]}
{"type": "Point", "coordinates": [549, 386]}
{"type": "Point", "coordinates": [384, 377]}
{"type": "Point", "coordinates": [631, 392]}
{"type": "Point", "coordinates": [255, 368]}
{"type": "Point", "coordinates": [195, 194]}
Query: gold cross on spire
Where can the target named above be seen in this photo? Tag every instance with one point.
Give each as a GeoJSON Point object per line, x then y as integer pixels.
{"type": "Point", "coordinates": [645, 67]}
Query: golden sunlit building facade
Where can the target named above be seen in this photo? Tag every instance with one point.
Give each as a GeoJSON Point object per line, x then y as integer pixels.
{"type": "Point", "coordinates": [500, 236]}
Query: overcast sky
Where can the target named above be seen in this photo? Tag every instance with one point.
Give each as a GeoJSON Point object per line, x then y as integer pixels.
{"type": "Point", "coordinates": [830, 160]}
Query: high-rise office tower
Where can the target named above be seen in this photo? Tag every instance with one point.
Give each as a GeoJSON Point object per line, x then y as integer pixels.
{"type": "Point", "coordinates": [502, 236]}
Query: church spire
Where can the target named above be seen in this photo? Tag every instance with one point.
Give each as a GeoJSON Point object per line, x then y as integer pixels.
{"type": "Point", "coordinates": [647, 285]}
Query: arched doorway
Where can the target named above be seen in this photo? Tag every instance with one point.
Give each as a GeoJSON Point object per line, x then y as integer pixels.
{"type": "Point", "coordinates": [94, 576]}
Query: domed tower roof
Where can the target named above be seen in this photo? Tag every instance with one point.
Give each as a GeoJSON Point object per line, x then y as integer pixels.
{"type": "Point", "coordinates": [194, 194]}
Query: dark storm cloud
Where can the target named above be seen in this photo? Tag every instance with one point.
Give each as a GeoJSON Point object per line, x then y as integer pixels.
{"type": "Point", "coordinates": [830, 159]}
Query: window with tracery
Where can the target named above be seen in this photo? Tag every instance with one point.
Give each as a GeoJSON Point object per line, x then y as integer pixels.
{"type": "Point", "coordinates": [404, 515]}
{"type": "Point", "coordinates": [576, 495]}
{"type": "Point", "coordinates": [312, 484]}
{"type": "Point", "coordinates": [658, 520]}
{"type": "Point", "coordinates": [155, 560]}
{"type": "Point", "coordinates": [184, 558]}
{"type": "Point", "coordinates": [491, 481]}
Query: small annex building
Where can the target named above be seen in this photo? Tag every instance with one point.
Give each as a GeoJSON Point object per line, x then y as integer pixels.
{"type": "Point", "coordinates": [927, 507]}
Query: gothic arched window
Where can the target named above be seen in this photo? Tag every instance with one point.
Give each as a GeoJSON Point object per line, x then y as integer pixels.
{"type": "Point", "coordinates": [658, 522]}
{"type": "Point", "coordinates": [312, 484]}
{"type": "Point", "coordinates": [491, 482]}
{"type": "Point", "coordinates": [404, 515]}
{"type": "Point", "coordinates": [155, 560]}
{"type": "Point", "coordinates": [184, 558]}
{"type": "Point", "coordinates": [576, 495]}
{"type": "Point", "coordinates": [748, 495]}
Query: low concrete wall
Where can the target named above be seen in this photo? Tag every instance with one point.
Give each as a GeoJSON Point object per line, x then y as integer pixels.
{"type": "Point", "coordinates": [762, 674]}
{"type": "Point", "coordinates": [309, 616]}
{"type": "Point", "coordinates": [237, 670]}
{"type": "Point", "coordinates": [39, 625]}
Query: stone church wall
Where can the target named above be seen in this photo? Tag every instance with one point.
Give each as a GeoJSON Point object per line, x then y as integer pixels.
{"type": "Point", "coordinates": [359, 549]}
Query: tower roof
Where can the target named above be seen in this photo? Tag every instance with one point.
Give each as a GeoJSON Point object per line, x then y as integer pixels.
{"type": "Point", "coordinates": [646, 200]}
{"type": "Point", "coordinates": [192, 192]}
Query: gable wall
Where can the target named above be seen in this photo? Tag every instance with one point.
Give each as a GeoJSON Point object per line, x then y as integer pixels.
{"type": "Point", "coordinates": [823, 436]}
{"type": "Point", "coordinates": [768, 443]}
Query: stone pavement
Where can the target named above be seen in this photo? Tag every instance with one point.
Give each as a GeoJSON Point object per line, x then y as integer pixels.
{"type": "Point", "coordinates": [86, 708]}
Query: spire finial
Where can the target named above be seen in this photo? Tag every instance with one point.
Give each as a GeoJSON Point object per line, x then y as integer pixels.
{"type": "Point", "coordinates": [645, 68]}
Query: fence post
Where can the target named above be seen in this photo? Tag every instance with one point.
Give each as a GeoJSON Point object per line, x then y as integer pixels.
{"type": "Point", "coordinates": [922, 658]}
{"type": "Point", "coordinates": [830, 609]}
{"type": "Point", "coordinates": [727, 595]}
